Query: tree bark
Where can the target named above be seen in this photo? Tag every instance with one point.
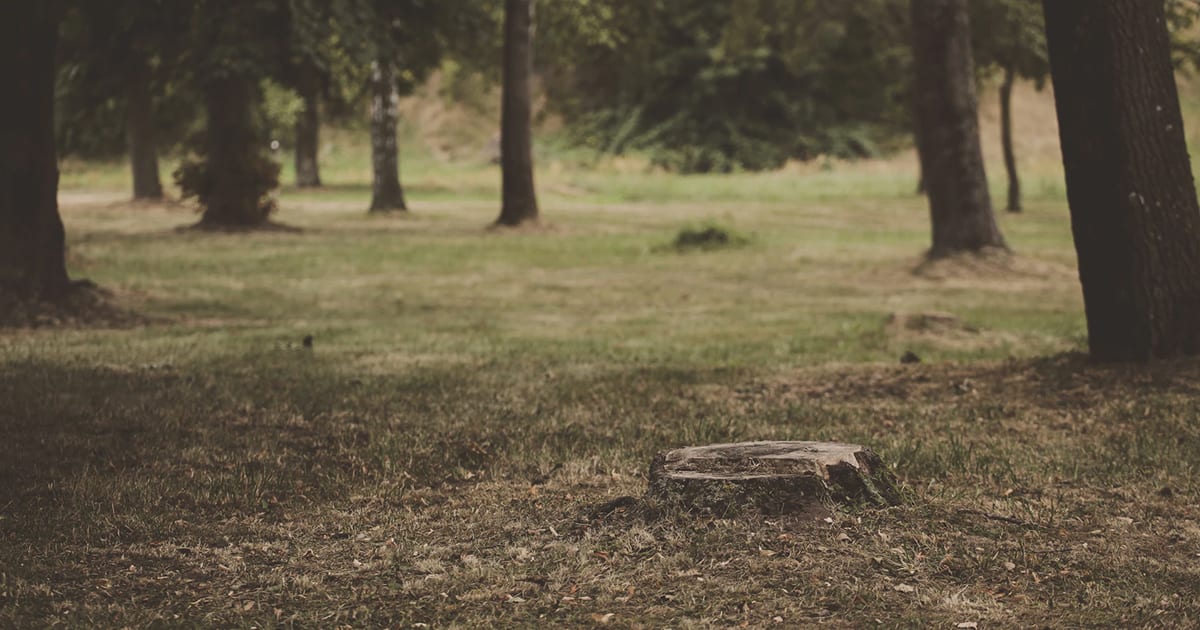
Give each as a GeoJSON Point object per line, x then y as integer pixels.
{"type": "Point", "coordinates": [32, 247]}
{"type": "Point", "coordinates": [1133, 202]}
{"type": "Point", "coordinates": [140, 136]}
{"type": "Point", "coordinates": [948, 130]}
{"type": "Point", "coordinates": [237, 181]}
{"type": "Point", "coordinates": [308, 138]}
{"type": "Point", "coordinates": [1006, 140]}
{"type": "Point", "coordinates": [386, 193]}
{"type": "Point", "coordinates": [519, 203]}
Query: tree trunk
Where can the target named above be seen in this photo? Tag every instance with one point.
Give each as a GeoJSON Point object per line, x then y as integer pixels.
{"type": "Point", "coordinates": [1006, 140]}
{"type": "Point", "coordinates": [516, 126]}
{"type": "Point", "coordinates": [308, 141]}
{"type": "Point", "coordinates": [237, 184]}
{"type": "Point", "coordinates": [32, 248]}
{"type": "Point", "coordinates": [1133, 202]}
{"type": "Point", "coordinates": [948, 130]}
{"type": "Point", "coordinates": [139, 133]}
{"type": "Point", "coordinates": [386, 193]}
{"type": "Point", "coordinates": [922, 189]}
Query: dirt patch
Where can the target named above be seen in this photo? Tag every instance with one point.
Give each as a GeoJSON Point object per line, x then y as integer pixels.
{"type": "Point", "coordinates": [80, 198]}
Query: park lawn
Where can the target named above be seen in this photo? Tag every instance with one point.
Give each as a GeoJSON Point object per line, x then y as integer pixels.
{"type": "Point", "coordinates": [472, 400]}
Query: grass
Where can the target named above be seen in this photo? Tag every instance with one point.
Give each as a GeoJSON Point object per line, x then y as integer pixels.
{"type": "Point", "coordinates": [471, 397]}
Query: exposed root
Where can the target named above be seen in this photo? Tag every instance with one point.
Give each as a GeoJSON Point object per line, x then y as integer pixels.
{"type": "Point", "coordinates": [84, 306]}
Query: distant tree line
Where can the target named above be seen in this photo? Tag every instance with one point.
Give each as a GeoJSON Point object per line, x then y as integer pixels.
{"type": "Point", "coordinates": [699, 86]}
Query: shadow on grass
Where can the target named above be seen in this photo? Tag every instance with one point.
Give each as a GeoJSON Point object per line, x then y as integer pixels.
{"type": "Point", "coordinates": [270, 432]}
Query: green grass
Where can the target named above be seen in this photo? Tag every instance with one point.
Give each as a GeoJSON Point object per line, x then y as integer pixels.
{"type": "Point", "coordinates": [473, 395]}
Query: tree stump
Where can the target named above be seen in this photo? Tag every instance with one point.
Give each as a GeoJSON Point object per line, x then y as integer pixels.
{"type": "Point", "coordinates": [772, 477]}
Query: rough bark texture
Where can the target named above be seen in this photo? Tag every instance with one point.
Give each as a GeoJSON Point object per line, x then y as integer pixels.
{"type": "Point", "coordinates": [1133, 202]}
{"type": "Point", "coordinates": [32, 250]}
{"type": "Point", "coordinates": [516, 125]}
{"type": "Point", "coordinates": [948, 130]}
{"type": "Point", "coordinates": [236, 181]}
{"type": "Point", "coordinates": [308, 140]}
{"type": "Point", "coordinates": [139, 134]}
{"type": "Point", "coordinates": [775, 477]}
{"type": "Point", "coordinates": [1006, 141]}
{"type": "Point", "coordinates": [386, 193]}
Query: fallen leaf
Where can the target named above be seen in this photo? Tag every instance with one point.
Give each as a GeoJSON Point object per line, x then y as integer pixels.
{"type": "Point", "coordinates": [904, 588]}
{"type": "Point", "coordinates": [968, 625]}
{"type": "Point", "coordinates": [605, 618]}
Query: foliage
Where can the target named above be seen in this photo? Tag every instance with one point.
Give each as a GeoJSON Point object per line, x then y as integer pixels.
{"type": "Point", "coordinates": [104, 44]}
{"type": "Point", "coordinates": [240, 189]}
{"type": "Point", "coordinates": [1010, 34]}
{"type": "Point", "coordinates": [1183, 19]}
{"type": "Point", "coordinates": [728, 86]}
{"type": "Point", "coordinates": [280, 110]}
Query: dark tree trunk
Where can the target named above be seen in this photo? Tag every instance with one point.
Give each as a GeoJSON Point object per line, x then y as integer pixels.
{"type": "Point", "coordinates": [1129, 181]}
{"type": "Point", "coordinates": [308, 138]}
{"type": "Point", "coordinates": [912, 106]}
{"type": "Point", "coordinates": [238, 175]}
{"type": "Point", "coordinates": [948, 130]}
{"type": "Point", "coordinates": [516, 125]}
{"type": "Point", "coordinates": [386, 193]}
{"type": "Point", "coordinates": [1006, 140]}
{"type": "Point", "coordinates": [32, 249]}
{"type": "Point", "coordinates": [139, 134]}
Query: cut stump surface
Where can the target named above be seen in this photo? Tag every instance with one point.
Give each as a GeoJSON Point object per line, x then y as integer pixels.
{"type": "Point", "coordinates": [774, 477]}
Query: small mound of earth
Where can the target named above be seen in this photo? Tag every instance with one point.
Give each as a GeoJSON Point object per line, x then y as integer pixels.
{"type": "Point", "coordinates": [269, 226]}
{"type": "Point", "coordinates": [931, 322]}
{"type": "Point", "coordinates": [535, 226]}
{"type": "Point", "coordinates": [84, 306]}
{"type": "Point", "coordinates": [942, 330]}
{"type": "Point", "coordinates": [993, 263]}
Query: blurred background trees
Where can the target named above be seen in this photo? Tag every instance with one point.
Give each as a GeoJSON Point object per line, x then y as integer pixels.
{"type": "Point", "coordinates": [721, 86]}
{"type": "Point", "coordinates": [693, 86]}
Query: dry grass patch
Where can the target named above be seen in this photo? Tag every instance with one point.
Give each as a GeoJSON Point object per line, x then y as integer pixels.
{"type": "Point", "coordinates": [1044, 492]}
